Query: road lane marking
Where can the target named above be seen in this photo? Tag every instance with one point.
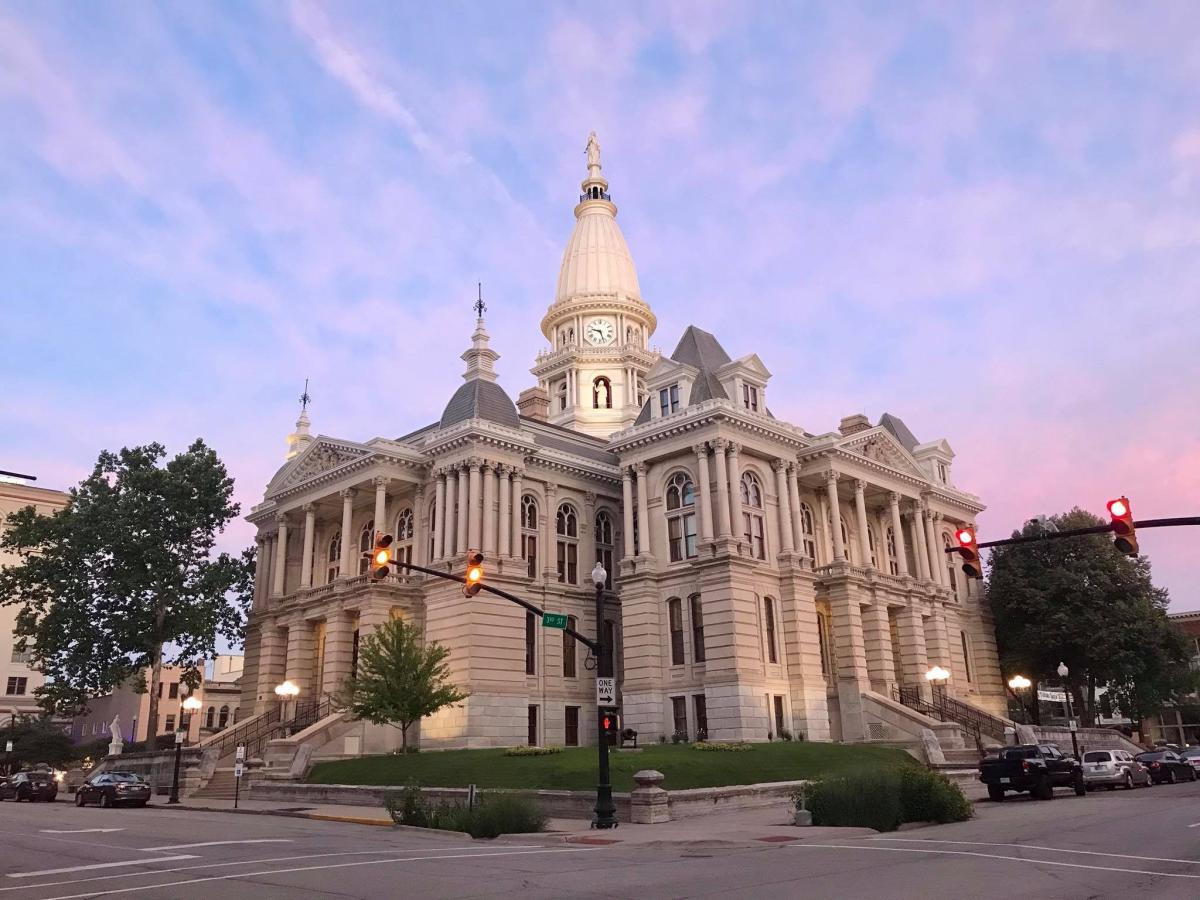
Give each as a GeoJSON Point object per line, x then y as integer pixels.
{"type": "Point", "coordinates": [78, 830]}
{"type": "Point", "coordinates": [1197, 825]}
{"type": "Point", "coordinates": [1021, 859]}
{"type": "Point", "coordinates": [219, 843]}
{"type": "Point", "coordinates": [107, 865]}
{"type": "Point", "coordinates": [369, 862]}
{"type": "Point", "coordinates": [1187, 862]}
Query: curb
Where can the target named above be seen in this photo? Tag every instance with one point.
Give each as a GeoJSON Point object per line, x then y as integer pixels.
{"type": "Point", "coordinates": [350, 820]}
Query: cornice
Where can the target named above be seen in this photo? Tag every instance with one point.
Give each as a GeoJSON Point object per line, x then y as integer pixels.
{"type": "Point", "coordinates": [549, 362]}
{"type": "Point", "coordinates": [475, 431]}
{"type": "Point", "coordinates": [702, 414]}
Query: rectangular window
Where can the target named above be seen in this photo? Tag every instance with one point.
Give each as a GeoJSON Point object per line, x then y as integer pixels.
{"type": "Point", "coordinates": [170, 724]}
{"type": "Point", "coordinates": [20, 656]}
{"type": "Point", "coordinates": [668, 400]}
{"type": "Point", "coordinates": [533, 726]}
{"type": "Point", "coordinates": [529, 552]}
{"type": "Point", "coordinates": [753, 528]}
{"type": "Point", "coordinates": [161, 685]}
{"type": "Point", "coordinates": [568, 563]}
{"type": "Point", "coordinates": [16, 686]}
{"type": "Point", "coordinates": [681, 534]}
{"type": "Point", "coordinates": [571, 730]}
{"type": "Point", "coordinates": [173, 690]}
{"type": "Point", "coordinates": [530, 643]}
{"type": "Point", "coordinates": [769, 617]}
{"type": "Point", "coordinates": [675, 614]}
{"type": "Point", "coordinates": [697, 629]}
{"type": "Point", "coordinates": [701, 705]}
{"type": "Point", "coordinates": [750, 397]}
{"type": "Point", "coordinates": [568, 647]}
{"type": "Point", "coordinates": [679, 714]}
{"type": "Point", "coordinates": [779, 723]}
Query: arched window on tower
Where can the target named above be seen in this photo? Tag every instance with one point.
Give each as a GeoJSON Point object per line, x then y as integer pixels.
{"type": "Point", "coordinates": [601, 393]}
{"type": "Point", "coordinates": [753, 530]}
{"type": "Point", "coordinates": [404, 536]}
{"type": "Point", "coordinates": [871, 540]}
{"type": "Point", "coordinates": [366, 543]}
{"type": "Point", "coordinates": [681, 517]}
{"type": "Point", "coordinates": [567, 528]}
{"type": "Point", "coordinates": [605, 545]}
{"type": "Point", "coordinates": [808, 534]}
{"type": "Point", "coordinates": [333, 558]}
{"type": "Point", "coordinates": [562, 395]}
{"type": "Point", "coordinates": [529, 530]}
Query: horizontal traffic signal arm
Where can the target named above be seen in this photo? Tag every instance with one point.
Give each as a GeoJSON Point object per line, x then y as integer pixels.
{"type": "Point", "coordinates": [1075, 532]}
{"type": "Point", "coordinates": [513, 598]}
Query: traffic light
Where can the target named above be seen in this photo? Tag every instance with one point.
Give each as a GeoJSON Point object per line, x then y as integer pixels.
{"type": "Point", "coordinates": [474, 574]}
{"type": "Point", "coordinates": [381, 556]}
{"type": "Point", "coordinates": [1123, 528]}
{"type": "Point", "coordinates": [610, 723]}
{"type": "Point", "coordinates": [968, 548]}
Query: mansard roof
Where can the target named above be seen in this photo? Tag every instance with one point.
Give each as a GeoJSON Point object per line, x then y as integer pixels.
{"type": "Point", "coordinates": [896, 427]}
{"type": "Point", "coordinates": [703, 352]}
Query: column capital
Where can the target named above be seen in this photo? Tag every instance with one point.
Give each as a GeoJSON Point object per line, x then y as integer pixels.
{"type": "Point", "coordinates": [700, 449]}
{"type": "Point", "coordinates": [793, 469]}
{"type": "Point", "coordinates": [719, 445]}
{"type": "Point", "coordinates": [309, 507]}
{"type": "Point", "coordinates": [831, 477]}
{"type": "Point", "coordinates": [503, 469]}
{"type": "Point", "coordinates": [518, 471]}
{"type": "Point", "coordinates": [641, 468]}
{"type": "Point", "coordinates": [381, 481]}
{"type": "Point", "coordinates": [936, 517]}
{"type": "Point", "coordinates": [894, 498]}
{"type": "Point", "coordinates": [419, 492]}
{"type": "Point", "coordinates": [282, 520]}
{"type": "Point", "coordinates": [733, 448]}
{"type": "Point", "coordinates": [589, 499]}
{"type": "Point", "coordinates": [779, 465]}
{"type": "Point", "coordinates": [347, 493]}
{"type": "Point", "coordinates": [487, 465]}
{"type": "Point", "coordinates": [860, 486]}
{"type": "Point", "coordinates": [474, 462]}
{"type": "Point", "coordinates": [551, 488]}
{"type": "Point", "coordinates": [626, 473]}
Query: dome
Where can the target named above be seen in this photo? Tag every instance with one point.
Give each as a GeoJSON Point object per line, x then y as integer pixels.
{"type": "Point", "coordinates": [597, 259]}
{"type": "Point", "coordinates": [480, 399]}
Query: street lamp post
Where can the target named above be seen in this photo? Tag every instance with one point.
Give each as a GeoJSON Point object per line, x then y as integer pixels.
{"type": "Point", "coordinates": [190, 705]}
{"type": "Point", "coordinates": [285, 692]}
{"type": "Point", "coordinates": [1019, 684]}
{"type": "Point", "coordinates": [605, 809]}
{"type": "Point", "coordinates": [937, 678]}
{"type": "Point", "coordinates": [1063, 672]}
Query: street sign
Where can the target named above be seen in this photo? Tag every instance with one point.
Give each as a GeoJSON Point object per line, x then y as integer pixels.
{"type": "Point", "coordinates": [554, 620]}
{"type": "Point", "coordinates": [1052, 696]}
{"type": "Point", "coordinates": [606, 692]}
{"type": "Point", "coordinates": [1073, 725]}
{"type": "Point", "coordinates": [8, 747]}
{"type": "Point", "coordinates": [179, 736]}
{"type": "Point", "coordinates": [241, 752]}
{"type": "Point", "coordinates": [237, 770]}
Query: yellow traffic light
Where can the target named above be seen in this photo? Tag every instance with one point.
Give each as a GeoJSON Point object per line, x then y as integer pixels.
{"type": "Point", "coordinates": [474, 574]}
{"type": "Point", "coordinates": [381, 556]}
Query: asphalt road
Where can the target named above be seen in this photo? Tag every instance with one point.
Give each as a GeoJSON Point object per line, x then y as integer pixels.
{"type": "Point", "coordinates": [1107, 845]}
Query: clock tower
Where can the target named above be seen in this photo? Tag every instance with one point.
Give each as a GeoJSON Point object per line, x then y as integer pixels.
{"type": "Point", "coordinates": [598, 325]}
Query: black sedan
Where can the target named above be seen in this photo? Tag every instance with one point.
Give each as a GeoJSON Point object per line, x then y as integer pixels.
{"type": "Point", "coordinates": [29, 786]}
{"type": "Point", "coordinates": [113, 789]}
{"type": "Point", "coordinates": [1166, 766]}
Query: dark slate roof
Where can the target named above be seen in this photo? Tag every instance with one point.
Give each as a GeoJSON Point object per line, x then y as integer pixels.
{"type": "Point", "coordinates": [413, 435]}
{"type": "Point", "coordinates": [899, 431]}
{"type": "Point", "coordinates": [701, 350]}
{"type": "Point", "coordinates": [644, 415]}
{"type": "Point", "coordinates": [479, 399]}
{"type": "Point", "coordinates": [558, 438]}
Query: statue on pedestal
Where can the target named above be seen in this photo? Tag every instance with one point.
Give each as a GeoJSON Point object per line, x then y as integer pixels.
{"type": "Point", "coordinates": [117, 744]}
{"type": "Point", "coordinates": [593, 151]}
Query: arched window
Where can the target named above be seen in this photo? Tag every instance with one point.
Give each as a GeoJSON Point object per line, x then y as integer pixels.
{"type": "Point", "coordinates": [529, 528]}
{"type": "Point", "coordinates": [567, 529]}
{"type": "Point", "coordinates": [823, 644]}
{"type": "Point", "coordinates": [237, 714]}
{"type": "Point", "coordinates": [675, 625]}
{"type": "Point", "coordinates": [601, 393]}
{"type": "Point", "coordinates": [871, 541]}
{"type": "Point", "coordinates": [404, 535]}
{"type": "Point", "coordinates": [333, 559]}
{"type": "Point", "coordinates": [753, 529]}
{"type": "Point", "coordinates": [697, 611]}
{"type": "Point", "coordinates": [628, 334]}
{"type": "Point", "coordinates": [893, 565]}
{"type": "Point", "coordinates": [808, 534]}
{"type": "Point", "coordinates": [366, 543]}
{"type": "Point", "coordinates": [223, 717]}
{"type": "Point", "coordinates": [681, 517]}
{"type": "Point", "coordinates": [769, 625]}
{"type": "Point", "coordinates": [562, 395]}
{"type": "Point", "coordinates": [605, 545]}
{"type": "Point", "coordinates": [950, 566]}
{"type": "Point", "coordinates": [845, 537]}
{"type": "Point", "coordinates": [432, 528]}
{"type": "Point", "coordinates": [210, 717]}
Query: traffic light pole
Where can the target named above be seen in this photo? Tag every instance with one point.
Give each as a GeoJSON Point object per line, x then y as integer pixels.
{"type": "Point", "coordinates": [606, 811]}
{"type": "Point", "coordinates": [1076, 532]}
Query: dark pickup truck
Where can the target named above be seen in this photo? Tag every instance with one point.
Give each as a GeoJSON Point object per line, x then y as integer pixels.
{"type": "Point", "coordinates": [1036, 769]}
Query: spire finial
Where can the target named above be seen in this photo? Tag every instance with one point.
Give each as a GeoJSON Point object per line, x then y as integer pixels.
{"type": "Point", "coordinates": [479, 306]}
{"type": "Point", "coordinates": [305, 399]}
{"type": "Point", "coordinates": [300, 438]}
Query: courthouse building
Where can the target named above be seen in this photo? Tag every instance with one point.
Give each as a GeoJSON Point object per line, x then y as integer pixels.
{"type": "Point", "coordinates": [764, 578]}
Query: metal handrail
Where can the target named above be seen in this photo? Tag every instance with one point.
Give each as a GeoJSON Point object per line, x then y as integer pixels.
{"type": "Point", "coordinates": [938, 708]}
{"type": "Point", "coordinates": [245, 732]}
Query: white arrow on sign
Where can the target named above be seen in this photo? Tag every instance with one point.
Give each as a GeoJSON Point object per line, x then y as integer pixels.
{"type": "Point", "coordinates": [79, 830]}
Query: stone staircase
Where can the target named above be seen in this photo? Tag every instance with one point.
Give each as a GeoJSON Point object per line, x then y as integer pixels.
{"type": "Point", "coordinates": [221, 786]}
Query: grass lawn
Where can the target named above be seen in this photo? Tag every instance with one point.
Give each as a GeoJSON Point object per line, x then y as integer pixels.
{"type": "Point", "coordinates": [575, 767]}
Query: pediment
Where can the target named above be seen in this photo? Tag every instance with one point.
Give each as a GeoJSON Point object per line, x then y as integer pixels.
{"type": "Point", "coordinates": [321, 456]}
{"type": "Point", "coordinates": [879, 446]}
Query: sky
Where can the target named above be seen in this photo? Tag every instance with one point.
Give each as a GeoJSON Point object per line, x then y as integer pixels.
{"type": "Point", "coordinates": [981, 217]}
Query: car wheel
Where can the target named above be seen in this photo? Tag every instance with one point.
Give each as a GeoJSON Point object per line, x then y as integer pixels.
{"type": "Point", "coordinates": [1129, 781]}
{"type": "Point", "coordinates": [79, 799]}
{"type": "Point", "coordinates": [1044, 790]}
{"type": "Point", "coordinates": [142, 805]}
{"type": "Point", "coordinates": [1172, 778]}
{"type": "Point", "coordinates": [1193, 774]}
{"type": "Point", "coordinates": [105, 803]}
{"type": "Point", "coordinates": [996, 793]}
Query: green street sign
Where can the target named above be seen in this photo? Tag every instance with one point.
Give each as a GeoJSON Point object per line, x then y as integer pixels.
{"type": "Point", "coordinates": [554, 620]}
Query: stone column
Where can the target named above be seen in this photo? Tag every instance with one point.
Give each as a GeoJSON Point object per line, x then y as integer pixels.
{"type": "Point", "coordinates": [346, 567]}
{"type": "Point", "coordinates": [826, 538]}
{"type": "Point", "coordinates": [449, 523]}
{"type": "Point", "coordinates": [910, 629]}
{"type": "Point", "coordinates": [489, 473]}
{"type": "Point", "coordinates": [339, 651]}
{"type": "Point", "coordinates": [898, 529]}
{"type": "Point", "coordinates": [882, 524]}
{"type": "Point", "coordinates": [794, 504]}
{"type": "Point", "coordinates": [549, 530]}
{"type": "Point", "coordinates": [719, 446]}
{"type": "Point", "coordinates": [706, 528]}
{"type": "Point", "coordinates": [518, 492]}
{"type": "Point", "coordinates": [260, 579]}
{"type": "Point", "coordinates": [835, 515]}
{"type": "Point", "coordinates": [277, 582]}
{"type": "Point", "coordinates": [420, 530]}
{"type": "Point", "coordinates": [735, 491]}
{"type": "Point", "coordinates": [627, 512]}
{"type": "Point", "coordinates": [785, 515]}
{"type": "Point", "coordinates": [920, 547]}
{"type": "Point", "coordinates": [306, 561]}
{"type": "Point", "coordinates": [300, 658]}
{"type": "Point", "coordinates": [937, 553]}
{"type": "Point", "coordinates": [643, 508]}
{"type": "Point", "coordinates": [937, 640]}
{"type": "Point", "coordinates": [381, 483]}
{"type": "Point", "coordinates": [852, 674]}
{"type": "Point", "coordinates": [439, 515]}
{"type": "Point", "coordinates": [464, 509]}
{"type": "Point", "coordinates": [474, 508]}
{"type": "Point", "coordinates": [272, 652]}
{"type": "Point", "coordinates": [504, 514]}
{"type": "Point", "coordinates": [864, 530]}
{"type": "Point", "coordinates": [877, 635]}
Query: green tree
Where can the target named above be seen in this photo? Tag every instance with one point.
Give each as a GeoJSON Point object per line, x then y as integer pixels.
{"type": "Point", "coordinates": [399, 680]}
{"type": "Point", "coordinates": [125, 570]}
{"type": "Point", "coordinates": [36, 740]}
{"type": "Point", "coordinates": [1079, 601]}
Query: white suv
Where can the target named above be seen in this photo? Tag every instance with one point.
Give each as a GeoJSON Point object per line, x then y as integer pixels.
{"type": "Point", "coordinates": [1111, 768]}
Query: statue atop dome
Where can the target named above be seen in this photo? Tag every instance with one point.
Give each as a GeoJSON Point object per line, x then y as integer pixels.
{"type": "Point", "coordinates": [593, 154]}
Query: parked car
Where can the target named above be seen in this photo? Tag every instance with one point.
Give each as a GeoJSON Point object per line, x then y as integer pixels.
{"type": "Point", "coordinates": [1166, 766]}
{"type": "Point", "coordinates": [113, 789]}
{"type": "Point", "coordinates": [1110, 768]}
{"type": "Point", "coordinates": [1191, 756]}
{"type": "Point", "coordinates": [1036, 769]}
{"type": "Point", "coordinates": [30, 786]}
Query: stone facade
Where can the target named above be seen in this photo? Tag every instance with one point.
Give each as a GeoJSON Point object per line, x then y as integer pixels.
{"type": "Point", "coordinates": [738, 608]}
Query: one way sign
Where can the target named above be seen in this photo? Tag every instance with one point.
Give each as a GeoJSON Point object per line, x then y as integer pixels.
{"type": "Point", "coordinates": [606, 692]}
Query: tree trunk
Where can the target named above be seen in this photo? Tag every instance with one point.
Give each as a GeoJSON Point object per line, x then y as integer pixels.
{"type": "Point", "coordinates": [153, 687]}
{"type": "Point", "coordinates": [404, 737]}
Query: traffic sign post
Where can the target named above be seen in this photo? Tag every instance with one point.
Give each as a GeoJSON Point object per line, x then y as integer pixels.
{"type": "Point", "coordinates": [606, 691]}
{"type": "Point", "coordinates": [237, 775]}
{"type": "Point", "coordinates": [554, 620]}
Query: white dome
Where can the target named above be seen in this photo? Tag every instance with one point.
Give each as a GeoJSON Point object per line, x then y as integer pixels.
{"type": "Point", "coordinates": [597, 259]}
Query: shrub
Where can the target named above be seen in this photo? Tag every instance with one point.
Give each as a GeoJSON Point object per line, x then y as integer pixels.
{"type": "Point", "coordinates": [723, 746]}
{"type": "Point", "coordinates": [532, 751]}
{"type": "Point", "coordinates": [492, 815]}
{"type": "Point", "coordinates": [885, 799]}
{"type": "Point", "coordinates": [785, 734]}
{"type": "Point", "coordinates": [408, 807]}
{"type": "Point", "coordinates": [679, 737]}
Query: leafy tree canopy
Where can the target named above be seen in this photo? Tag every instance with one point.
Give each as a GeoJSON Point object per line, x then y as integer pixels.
{"type": "Point", "coordinates": [399, 680]}
{"type": "Point", "coordinates": [37, 740]}
{"type": "Point", "coordinates": [124, 569]}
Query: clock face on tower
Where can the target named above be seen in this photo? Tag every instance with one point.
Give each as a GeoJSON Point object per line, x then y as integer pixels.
{"type": "Point", "coordinates": [599, 332]}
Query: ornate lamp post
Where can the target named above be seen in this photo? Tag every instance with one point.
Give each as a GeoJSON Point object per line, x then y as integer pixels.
{"type": "Point", "coordinates": [1063, 672]}
{"type": "Point", "coordinates": [1018, 684]}
{"type": "Point", "coordinates": [937, 678]}
{"type": "Point", "coordinates": [189, 706]}
{"type": "Point", "coordinates": [605, 809]}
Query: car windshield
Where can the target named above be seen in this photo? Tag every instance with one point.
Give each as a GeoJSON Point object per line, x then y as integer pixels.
{"type": "Point", "coordinates": [1020, 753]}
{"type": "Point", "coordinates": [1143, 757]}
{"type": "Point", "coordinates": [1097, 756]}
{"type": "Point", "coordinates": [1190, 753]}
{"type": "Point", "coordinates": [123, 777]}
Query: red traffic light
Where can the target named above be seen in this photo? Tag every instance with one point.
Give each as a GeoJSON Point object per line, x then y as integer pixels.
{"type": "Point", "coordinates": [1123, 526]}
{"type": "Point", "coordinates": [610, 723]}
{"type": "Point", "coordinates": [473, 577]}
{"type": "Point", "coordinates": [968, 548]}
